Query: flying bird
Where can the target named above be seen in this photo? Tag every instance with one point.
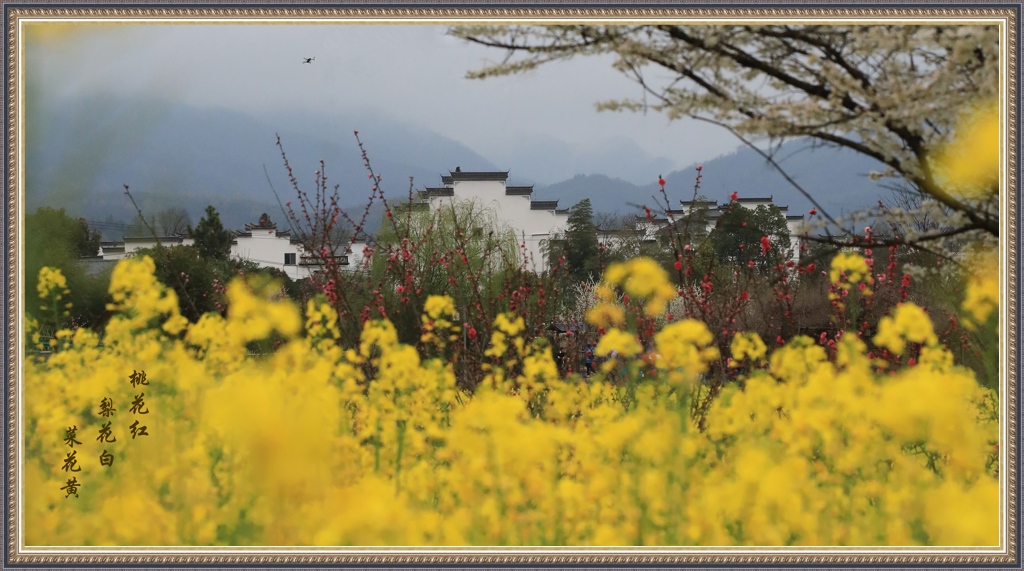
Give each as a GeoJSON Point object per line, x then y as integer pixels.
{"type": "Point", "coordinates": [308, 59]}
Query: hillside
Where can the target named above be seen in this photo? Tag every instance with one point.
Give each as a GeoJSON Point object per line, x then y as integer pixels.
{"type": "Point", "coordinates": [81, 157]}
{"type": "Point", "coordinates": [173, 155]}
{"type": "Point", "coordinates": [838, 180]}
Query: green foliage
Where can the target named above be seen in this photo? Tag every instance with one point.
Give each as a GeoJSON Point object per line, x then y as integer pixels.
{"type": "Point", "coordinates": [55, 239]}
{"type": "Point", "coordinates": [85, 239]}
{"type": "Point", "coordinates": [462, 250]}
{"type": "Point", "coordinates": [737, 237]}
{"type": "Point", "coordinates": [199, 282]}
{"type": "Point", "coordinates": [581, 249]}
{"type": "Point", "coordinates": [212, 240]}
{"type": "Point", "coordinates": [191, 276]}
{"type": "Point", "coordinates": [693, 226]}
{"type": "Point", "coordinates": [291, 288]}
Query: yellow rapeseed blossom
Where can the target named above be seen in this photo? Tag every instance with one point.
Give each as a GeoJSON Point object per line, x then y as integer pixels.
{"type": "Point", "coordinates": [748, 346]}
{"type": "Point", "coordinates": [509, 323]}
{"type": "Point", "coordinates": [375, 444]}
{"type": "Point", "coordinates": [621, 342]}
{"type": "Point", "coordinates": [982, 290]}
{"type": "Point", "coordinates": [798, 360]}
{"type": "Point", "coordinates": [321, 320]}
{"type": "Point", "coordinates": [607, 315]}
{"type": "Point", "coordinates": [438, 306]}
{"type": "Point", "coordinates": [498, 345]}
{"type": "Point", "coordinates": [852, 266]}
{"type": "Point", "coordinates": [641, 279]}
{"type": "Point", "coordinates": [907, 323]}
{"type": "Point", "coordinates": [969, 164]}
{"type": "Point", "coordinates": [436, 320]}
{"type": "Point", "coordinates": [51, 281]}
{"type": "Point", "coordinates": [684, 350]}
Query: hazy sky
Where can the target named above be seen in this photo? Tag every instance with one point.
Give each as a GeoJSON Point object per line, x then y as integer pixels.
{"type": "Point", "coordinates": [412, 73]}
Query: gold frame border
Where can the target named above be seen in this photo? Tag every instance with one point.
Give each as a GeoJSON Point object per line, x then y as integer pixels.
{"type": "Point", "coordinates": [1010, 77]}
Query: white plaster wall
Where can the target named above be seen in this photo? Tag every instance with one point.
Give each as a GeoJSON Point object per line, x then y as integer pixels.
{"type": "Point", "coordinates": [267, 250]}
{"type": "Point", "coordinates": [357, 256]}
{"type": "Point", "coordinates": [133, 246]}
{"type": "Point", "coordinates": [532, 227]}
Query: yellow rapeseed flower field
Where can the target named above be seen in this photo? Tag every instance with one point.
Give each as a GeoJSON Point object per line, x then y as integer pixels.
{"type": "Point", "coordinates": [316, 444]}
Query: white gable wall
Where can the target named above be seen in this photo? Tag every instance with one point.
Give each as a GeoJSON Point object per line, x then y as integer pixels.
{"type": "Point", "coordinates": [533, 228]}
{"type": "Point", "coordinates": [268, 250]}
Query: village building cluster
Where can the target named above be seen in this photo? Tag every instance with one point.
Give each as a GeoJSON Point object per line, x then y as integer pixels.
{"type": "Point", "coordinates": [535, 223]}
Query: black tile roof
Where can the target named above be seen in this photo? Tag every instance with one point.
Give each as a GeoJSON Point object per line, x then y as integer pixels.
{"type": "Point", "coordinates": [519, 190]}
{"type": "Point", "coordinates": [657, 215]}
{"type": "Point", "coordinates": [259, 226]}
{"type": "Point", "coordinates": [544, 205]}
{"type": "Point", "coordinates": [477, 175]}
{"type": "Point", "coordinates": [439, 191]}
{"type": "Point", "coordinates": [248, 232]}
{"type": "Point", "coordinates": [411, 206]}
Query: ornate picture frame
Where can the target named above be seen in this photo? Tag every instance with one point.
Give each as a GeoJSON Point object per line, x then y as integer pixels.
{"type": "Point", "coordinates": [17, 14]}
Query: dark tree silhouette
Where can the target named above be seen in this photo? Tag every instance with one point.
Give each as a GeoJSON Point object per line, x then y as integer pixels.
{"type": "Point", "coordinates": [211, 238]}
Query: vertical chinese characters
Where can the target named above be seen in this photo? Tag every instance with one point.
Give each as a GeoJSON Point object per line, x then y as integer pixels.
{"type": "Point", "coordinates": [138, 407]}
{"type": "Point", "coordinates": [71, 461]}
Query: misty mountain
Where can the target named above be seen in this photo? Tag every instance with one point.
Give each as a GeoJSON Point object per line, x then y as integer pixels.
{"type": "Point", "coordinates": [836, 178]}
{"type": "Point", "coordinates": [81, 157]}
{"type": "Point", "coordinates": [548, 160]}
{"type": "Point", "coordinates": [606, 194]}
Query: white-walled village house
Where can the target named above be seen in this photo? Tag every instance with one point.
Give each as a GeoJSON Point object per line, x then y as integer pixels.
{"type": "Point", "coordinates": [261, 243]}
{"type": "Point", "coordinates": [650, 227]}
{"type": "Point", "coordinates": [534, 221]}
